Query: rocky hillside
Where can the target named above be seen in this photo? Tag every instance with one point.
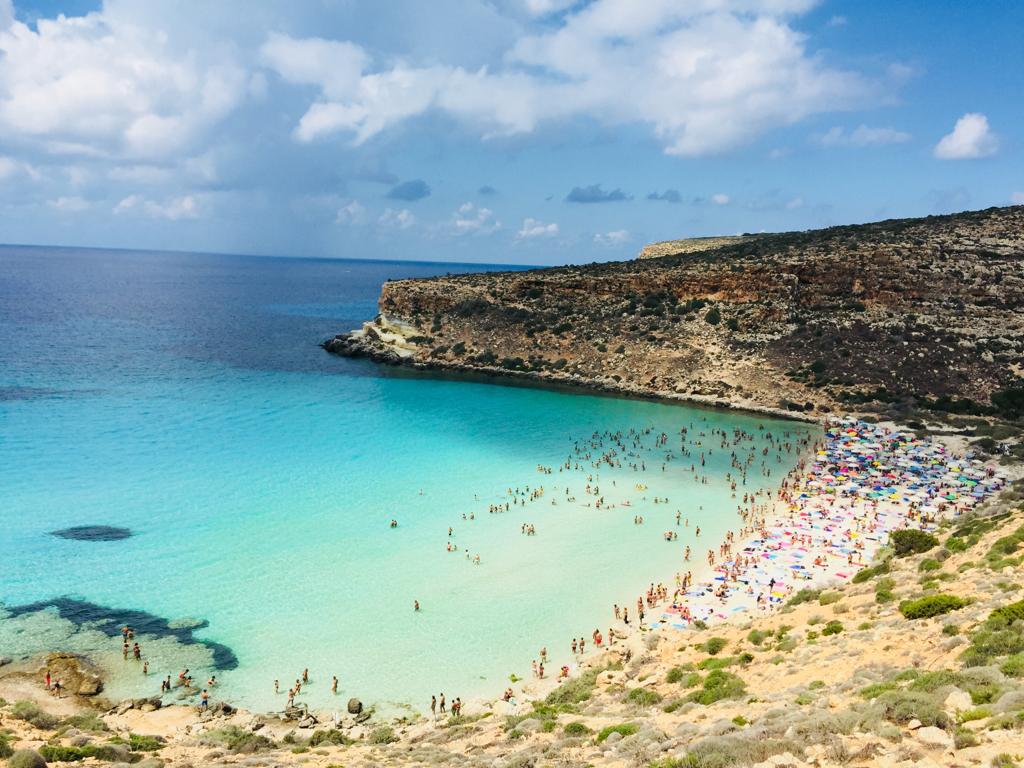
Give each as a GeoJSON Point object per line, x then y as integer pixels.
{"type": "Point", "coordinates": [689, 245]}
{"type": "Point", "coordinates": [877, 316]}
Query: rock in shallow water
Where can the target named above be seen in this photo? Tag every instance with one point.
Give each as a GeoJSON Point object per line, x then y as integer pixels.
{"type": "Point", "coordinates": [92, 533]}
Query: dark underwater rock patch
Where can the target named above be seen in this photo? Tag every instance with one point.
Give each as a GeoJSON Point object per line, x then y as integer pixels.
{"type": "Point", "coordinates": [93, 533]}
{"type": "Point", "coordinates": [110, 620]}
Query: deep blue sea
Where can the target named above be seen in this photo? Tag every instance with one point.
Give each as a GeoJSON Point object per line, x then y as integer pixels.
{"type": "Point", "coordinates": [184, 398]}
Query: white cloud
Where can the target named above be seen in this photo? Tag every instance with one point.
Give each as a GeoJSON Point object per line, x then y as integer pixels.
{"type": "Point", "coordinates": [837, 21]}
{"type": "Point", "coordinates": [97, 85]}
{"type": "Point", "coordinates": [536, 228]}
{"type": "Point", "coordinates": [613, 238]}
{"type": "Point", "coordinates": [470, 220]}
{"type": "Point", "coordinates": [720, 198]}
{"type": "Point", "coordinates": [970, 138]}
{"type": "Point", "coordinates": [173, 209]}
{"type": "Point", "coordinates": [353, 212]}
{"type": "Point", "coordinates": [73, 204]}
{"type": "Point", "coordinates": [401, 219]}
{"type": "Point", "coordinates": [862, 136]}
{"type": "Point", "coordinates": [1017, 198]}
{"type": "Point", "coordinates": [546, 7]}
{"type": "Point", "coordinates": [705, 76]}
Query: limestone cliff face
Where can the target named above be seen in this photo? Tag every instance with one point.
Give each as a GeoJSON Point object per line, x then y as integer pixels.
{"type": "Point", "coordinates": [926, 309]}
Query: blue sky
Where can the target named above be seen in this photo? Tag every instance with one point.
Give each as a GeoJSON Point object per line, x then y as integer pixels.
{"type": "Point", "coordinates": [508, 131]}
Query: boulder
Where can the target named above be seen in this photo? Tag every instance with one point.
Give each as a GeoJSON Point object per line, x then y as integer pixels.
{"type": "Point", "coordinates": [80, 740]}
{"type": "Point", "coordinates": [355, 706]}
{"type": "Point", "coordinates": [26, 758]}
{"type": "Point", "coordinates": [362, 717]}
{"type": "Point", "coordinates": [934, 737]}
{"type": "Point", "coordinates": [150, 762]}
{"type": "Point", "coordinates": [307, 722]}
{"type": "Point", "coordinates": [957, 701]}
{"type": "Point", "coordinates": [5, 660]}
{"type": "Point", "coordinates": [90, 686]}
{"type": "Point", "coordinates": [124, 706]}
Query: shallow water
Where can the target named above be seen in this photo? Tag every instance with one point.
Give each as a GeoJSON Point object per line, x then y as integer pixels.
{"type": "Point", "coordinates": [183, 397]}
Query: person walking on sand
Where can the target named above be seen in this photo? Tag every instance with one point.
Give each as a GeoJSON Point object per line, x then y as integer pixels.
{"type": "Point", "coordinates": [442, 706]}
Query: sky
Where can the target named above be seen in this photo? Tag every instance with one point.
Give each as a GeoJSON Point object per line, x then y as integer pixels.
{"type": "Point", "coordinates": [497, 131]}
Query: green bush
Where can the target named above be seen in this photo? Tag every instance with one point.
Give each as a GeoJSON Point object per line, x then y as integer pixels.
{"type": "Point", "coordinates": [715, 645]}
{"type": "Point", "coordinates": [828, 598]}
{"type": "Point", "coordinates": [643, 697]}
{"type": "Point", "coordinates": [718, 685]}
{"type": "Point", "coordinates": [26, 758]}
{"type": "Point", "coordinates": [383, 734]}
{"type": "Point", "coordinates": [1005, 615]}
{"type": "Point", "coordinates": [731, 751]}
{"type": "Point", "coordinates": [576, 729]}
{"type": "Point", "coordinates": [903, 706]}
{"type": "Point", "coordinates": [330, 736]}
{"type": "Point", "coordinates": [55, 753]}
{"type": "Point", "coordinates": [678, 674]}
{"type": "Point", "coordinates": [6, 750]}
{"type": "Point", "coordinates": [929, 564]}
{"type": "Point", "coordinates": [931, 605]}
{"type": "Point", "coordinates": [803, 596]}
{"type": "Point", "coordinates": [1013, 666]}
{"type": "Point", "coordinates": [85, 721]}
{"type": "Point", "coordinates": [575, 690]}
{"type": "Point", "coordinates": [712, 662]}
{"type": "Point", "coordinates": [911, 542]}
{"type": "Point", "coordinates": [30, 712]}
{"type": "Point", "coordinates": [237, 740]}
{"type": "Point", "coordinates": [626, 729]}
{"type": "Point", "coordinates": [866, 574]}
{"type": "Point", "coordinates": [713, 316]}
{"type": "Point", "coordinates": [832, 628]}
{"type": "Point", "coordinates": [757, 636]}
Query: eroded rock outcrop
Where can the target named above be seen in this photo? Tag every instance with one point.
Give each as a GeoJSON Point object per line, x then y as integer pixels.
{"type": "Point", "coordinates": [926, 310]}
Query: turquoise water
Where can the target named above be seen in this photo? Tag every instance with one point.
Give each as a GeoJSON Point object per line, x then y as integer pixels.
{"type": "Point", "coordinates": [184, 397]}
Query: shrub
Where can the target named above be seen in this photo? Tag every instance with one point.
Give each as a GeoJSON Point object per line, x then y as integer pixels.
{"type": "Point", "coordinates": [827, 598]}
{"type": "Point", "coordinates": [643, 697]}
{"type": "Point", "coordinates": [715, 645]}
{"type": "Point", "coordinates": [85, 721]}
{"type": "Point", "coordinates": [757, 636]}
{"type": "Point", "coordinates": [832, 628]}
{"type": "Point", "coordinates": [912, 542]}
{"type": "Point", "coordinates": [932, 605]}
{"type": "Point", "coordinates": [30, 712]}
{"type": "Point", "coordinates": [929, 564]}
{"type": "Point", "coordinates": [678, 674]}
{"type": "Point", "coordinates": [383, 734]}
{"type": "Point", "coordinates": [55, 753]}
{"type": "Point", "coordinates": [803, 596]}
{"type": "Point", "coordinates": [866, 574]}
{"type": "Point", "coordinates": [576, 729]}
{"type": "Point", "coordinates": [713, 316]}
{"type": "Point", "coordinates": [626, 729]}
{"type": "Point", "coordinates": [330, 736]}
{"type": "Point", "coordinates": [712, 662]}
{"type": "Point", "coordinates": [718, 685]}
{"type": "Point", "coordinates": [1013, 666]}
{"type": "Point", "coordinates": [729, 751]}
{"type": "Point", "coordinates": [1005, 615]}
{"type": "Point", "coordinates": [903, 706]}
{"type": "Point", "coordinates": [6, 750]}
{"type": "Point", "coordinates": [26, 758]}
{"type": "Point", "coordinates": [575, 690]}
{"type": "Point", "coordinates": [237, 739]}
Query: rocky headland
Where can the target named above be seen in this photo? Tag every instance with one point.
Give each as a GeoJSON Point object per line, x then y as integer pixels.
{"type": "Point", "coordinates": [887, 317]}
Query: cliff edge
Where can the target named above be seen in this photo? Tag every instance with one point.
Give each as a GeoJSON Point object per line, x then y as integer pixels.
{"type": "Point", "coordinates": [922, 311]}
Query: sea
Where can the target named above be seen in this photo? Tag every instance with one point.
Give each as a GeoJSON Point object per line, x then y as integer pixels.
{"type": "Point", "coordinates": [254, 507]}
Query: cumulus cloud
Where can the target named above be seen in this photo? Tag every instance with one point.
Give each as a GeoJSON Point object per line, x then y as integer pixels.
{"type": "Point", "coordinates": [471, 220]}
{"type": "Point", "coordinates": [595, 194]}
{"type": "Point", "coordinates": [173, 209]}
{"type": "Point", "coordinates": [536, 228]}
{"type": "Point", "coordinates": [970, 138]}
{"type": "Point", "coordinates": [669, 196]}
{"type": "Point", "coordinates": [704, 76]}
{"type": "Point", "coordinates": [862, 136]}
{"type": "Point", "coordinates": [70, 204]}
{"type": "Point", "coordinates": [410, 191]}
{"type": "Point", "coordinates": [98, 86]}
{"type": "Point", "coordinates": [720, 198]}
{"type": "Point", "coordinates": [400, 219]}
{"type": "Point", "coordinates": [613, 238]}
{"type": "Point", "coordinates": [352, 212]}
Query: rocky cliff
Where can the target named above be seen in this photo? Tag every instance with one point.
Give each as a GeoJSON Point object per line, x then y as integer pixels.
{"type": "Point", "coordinates": [921, 311]}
